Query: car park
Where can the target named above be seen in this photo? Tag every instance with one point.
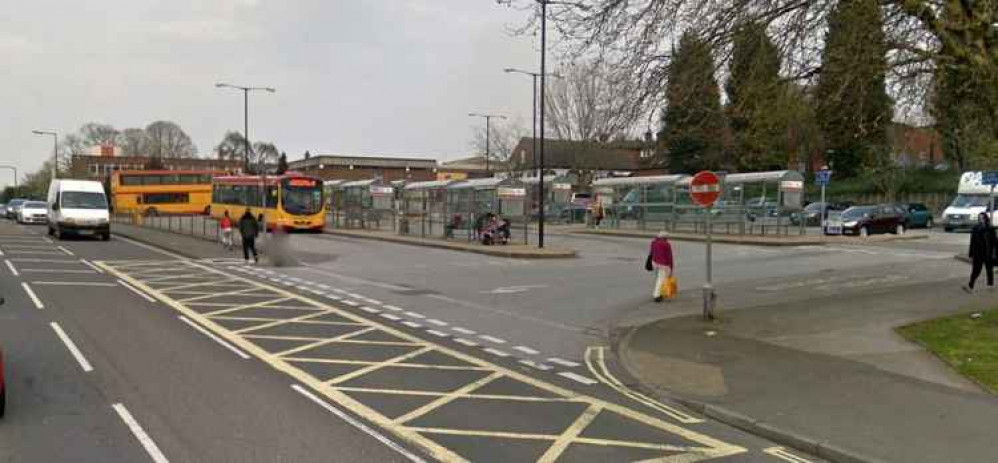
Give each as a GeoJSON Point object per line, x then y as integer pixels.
{"type": "Point", "coordinates": [12, 208]}
{"type": "Point", "coordinates": [811, 215]}
{"type": "Point", "coordinates": [33, 212]}
{"type": "Point", "coordinates": [869, 220]}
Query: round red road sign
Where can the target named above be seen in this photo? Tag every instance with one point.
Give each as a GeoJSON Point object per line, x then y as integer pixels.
{"type": "Point", "coordinates": [705, 188]}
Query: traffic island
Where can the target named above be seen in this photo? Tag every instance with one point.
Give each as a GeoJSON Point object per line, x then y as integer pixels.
{"type": "Point", "coordinates": [966, 342]}
{"type": "Point", "coordinates": [516, 251]}
{"type": "Point", "coordinates": [758, 240]}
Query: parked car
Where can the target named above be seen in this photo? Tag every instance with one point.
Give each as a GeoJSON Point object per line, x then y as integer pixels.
{"type": "Point", "coordinates": [12, 207]}
{"type": "Point", "coordinates": [917, 215]}
{"type": "Point", "coordinates": [574, 213]}
{"type": "Point", "coordinates": [812, 212]}
{"type": "Point", "coordinates": [33, 212]}
{"type": "Point", "coordinates": [869, 220]}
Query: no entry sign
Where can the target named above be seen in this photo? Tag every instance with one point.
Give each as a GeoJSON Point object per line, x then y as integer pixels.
{"type": "Point", "coordinates": [705, 188]}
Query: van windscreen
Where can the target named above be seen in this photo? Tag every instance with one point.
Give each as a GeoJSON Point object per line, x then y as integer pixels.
{"type": "Point", "coordinates": [83, 200]}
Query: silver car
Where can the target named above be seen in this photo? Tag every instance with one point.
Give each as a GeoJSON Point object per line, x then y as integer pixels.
{"type": "Point", "coordinates": [33, 212]}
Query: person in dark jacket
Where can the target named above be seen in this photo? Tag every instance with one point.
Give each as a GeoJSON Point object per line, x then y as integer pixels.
{"type": "Point", "coordinates": [661, 259]}
{"type": "Point", "coordinates": [983, 251]}
{"type": "Point", "coordinates": [249, 228]}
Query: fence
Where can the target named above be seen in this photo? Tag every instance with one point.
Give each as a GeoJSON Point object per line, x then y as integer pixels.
{"type": "Point", "coordinates": [199, 226]}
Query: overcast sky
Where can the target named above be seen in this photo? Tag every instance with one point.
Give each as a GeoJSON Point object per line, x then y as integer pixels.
{"type": "Point", "coordinates": [359, 77]}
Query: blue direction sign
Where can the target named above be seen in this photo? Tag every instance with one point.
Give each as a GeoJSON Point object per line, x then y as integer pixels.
{"type": "Point", "coordinates": [823, 177]}
{"type": "Point", "coordinates": [989, 177]}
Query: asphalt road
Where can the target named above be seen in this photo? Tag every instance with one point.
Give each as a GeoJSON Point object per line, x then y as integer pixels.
{"type": "Point", "coordinates": [118, 352]}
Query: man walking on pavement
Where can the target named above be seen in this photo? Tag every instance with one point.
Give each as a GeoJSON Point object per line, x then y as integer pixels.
{"type": "Point", "coordinates": [661, 259]}
{"type": "Point", "coordinates": [983, 251]}
{"type": "Point", "coordinates": [249, 229]}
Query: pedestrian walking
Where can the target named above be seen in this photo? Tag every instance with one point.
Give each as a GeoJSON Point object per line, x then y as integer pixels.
{"type": "Point", "coordinates": [249, 228]}
{"type": "Point", "coordinates": [660, 258]}
{"type": "Point", "coordinates": [983, 251]}
{"type": "Point", "coordinates": [226, 225]}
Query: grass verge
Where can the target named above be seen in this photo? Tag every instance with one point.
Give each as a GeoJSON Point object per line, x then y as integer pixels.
{"type": "Point", "coordinates": [969, 345]}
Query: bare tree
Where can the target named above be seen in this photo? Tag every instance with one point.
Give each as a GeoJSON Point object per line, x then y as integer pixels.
{"type": "Point", "coordinates": [133, 142]}
{"type": "Point", "coordinates": [592, 102]}
{"type": "Point", "coordinates": [504, 138]}
{"type": "Point", "coordinates": [264, 153]}
{"type": "Point", "coordinates": [168, 140]}
{"type": "Point", "coordinates": [97, 134]}
{"type": "Point", "coordinates": [232, 147]}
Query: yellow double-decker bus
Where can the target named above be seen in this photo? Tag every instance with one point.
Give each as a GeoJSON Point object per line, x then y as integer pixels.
{"type": "Point", "coordinates": [294, 201]}
{"type": "Point", "coordinates": [153, 192]}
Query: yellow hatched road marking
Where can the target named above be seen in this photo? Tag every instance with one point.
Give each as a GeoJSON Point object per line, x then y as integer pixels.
{"type": "Point", "coordinates": [711, 447]}
{"type": "Point", "coordinates": [325, 341]}
{"type": "Point", "coordinates": [514, 398]}
{"type": "Point", "coordinates": [565, 439]}
{"type": "Point", "coordinates": [448, 398]}
{"type": "Point", "coordinates": [254, 305]}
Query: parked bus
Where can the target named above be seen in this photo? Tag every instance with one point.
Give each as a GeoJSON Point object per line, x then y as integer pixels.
{"type": "Point", "coordinates": [294, 201]}
{"type": "Point", "coordinates": [153, 192]}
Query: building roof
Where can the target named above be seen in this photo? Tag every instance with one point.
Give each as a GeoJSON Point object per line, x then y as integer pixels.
{"type": "Point", "coordinates": [568, 154]}
{"type": "Point", "coordinates": [363, 161]}
{"type": "Point", "coordinates": [474, 163]}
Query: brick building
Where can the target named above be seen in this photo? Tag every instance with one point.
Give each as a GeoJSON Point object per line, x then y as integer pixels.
{"type": "Point", "coordinates": [597, 159]}
{"type": "Point", "coordinates": [101, 167]}
{"type": "Point", "coordinates": [330, 167]}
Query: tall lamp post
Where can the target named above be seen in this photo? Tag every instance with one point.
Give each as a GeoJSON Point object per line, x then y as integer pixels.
{"type": "Point", "coordinates": [533, 115]}
{"type": "Point", "coordinates": [55, 149]}
{"type": "Point", "coordinates": [246, 139]}
{"type": "Point", "coordinates": [15, 174]}
{"type": "Point", "coordinates": [488, 133]}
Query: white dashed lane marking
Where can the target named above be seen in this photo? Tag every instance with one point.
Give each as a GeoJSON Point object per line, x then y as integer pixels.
{"type": "Point", "coordinates": [562, 362]}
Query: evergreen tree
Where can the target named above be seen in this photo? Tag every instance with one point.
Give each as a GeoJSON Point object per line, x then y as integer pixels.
{"type": "Point", "coordinates": [755, 107]}
{"type": "Point", "coordinates": [853, 108]}
{"type": "Point", "coordinates": [282, 163]}
{"type": "Point", "coordinates": [693, 122]}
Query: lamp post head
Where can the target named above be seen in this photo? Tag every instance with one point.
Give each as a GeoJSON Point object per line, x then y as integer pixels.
{"type": "Point", "coordinates": [270, 89]}
{"type": "Point", "coordinates": [221, 85]}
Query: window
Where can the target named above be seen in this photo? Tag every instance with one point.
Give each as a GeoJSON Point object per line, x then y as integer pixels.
{"type": "Point", "coordinates": [83, 200]}
{"type": "Point", "coordinates": [152, 180]}
{"type": "Point", "coordinates": [165, 198]}
{"type": "Point", "coordinates": [131, 180]}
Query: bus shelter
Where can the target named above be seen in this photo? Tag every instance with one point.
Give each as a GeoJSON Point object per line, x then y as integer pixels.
{"type": "Point", "coordinates": [751, 203]}
{"type": "Point", "coordinates": [424, 208]}
{"type": "Point", "coordinates": [365, 204]}
{"type": "Point", "coordinates": [640, 202]}
{"type": "Point", "coordinates": [470, 202]}
{"type": "Point", "coordinates": [558, 191]}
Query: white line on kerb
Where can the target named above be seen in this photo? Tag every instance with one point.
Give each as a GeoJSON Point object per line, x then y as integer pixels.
{"type": "Point", "coordinates": [136, 291]}
{"type": "Point", "coordinates": [11, 267]}
{"type": "Point", "coordinates": [88, 264]}
{"type": "Point", "coordinates": [215, 338]}
{"type": "Point", "coordinates": [33, 296]}
{"type": "Point", "coordinates": [577, 378]}
{"type": "Point", "coordinates": [562, 362]}
{"type": "Point", "coordinates": [357, 424]}
{"type": "Point", "coordinates": [63, 249]}
{"type": "Point", "coordinates": [72, 348]}
{"type": "Point", "coordinates": [140, 434]}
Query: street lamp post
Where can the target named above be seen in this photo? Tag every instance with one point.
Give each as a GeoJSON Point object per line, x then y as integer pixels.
{"type": "Point", "coordinates": [488, 133]}
{"type": "Point", "coordinates": [15, 174]}
{"type": "Point", "coordinates": [533, 115]}
{"type": "Point", "coordinates": [55, 149]}
{"type": "Point", "coordinates": [246, 139]}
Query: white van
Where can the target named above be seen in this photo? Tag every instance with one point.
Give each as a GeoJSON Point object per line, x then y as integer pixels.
{"type": "Point", "coordinates": [972, 198]}
{"type": "Point", "coordinates": [78, 207]}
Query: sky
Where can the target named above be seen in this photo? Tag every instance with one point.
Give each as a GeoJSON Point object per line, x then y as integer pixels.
{"type": "Point", "coordinates": [370, 77]}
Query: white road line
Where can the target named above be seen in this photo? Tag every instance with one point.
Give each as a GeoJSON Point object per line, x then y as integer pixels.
{"type": "Point", "coordinates": [356, 296]}
{"type": "Point", "coordinates": [351, 303]}
{"type": "Point", "coordinates": [234, 349]}
{"type": "Point", "coordinates": [373, 301]}
{"type": "Point", "coordinates": [562, 362]}
{"type": "Point", "coordinates": [46, 239]}
{"type": "Point", "coordinates": [493, 339]}
{"type": "Point", "coordinates": [393, 308]}
{"type": "Point", "coordinates": [533, 364]}
{"type": "Point", "coordinates": [415, 315]}
{"type": "Point", "coordinates": [55, 270]}
{"type": "Point", "coordinates": [74, 283]}
{"type": "Point", "coordinates": [357, 424]}
{"type": "Point", "coordinates": [72, 348]}
{"type": "Point", "coordinates": [88, 264]}
{"type": "Point", "coordinates": [465, 342]}
{"type": "Point", "coordinates": [324, 286]}
{"type": "Point", "coordinates": [577, 378]}
{"type": "Point", "coordinates": [391, 317]}
{"type": "Point", "coordinates": [783, 454]}
{"type": "Point", "coordinates": [63, 249]}
{"type": "Point", "coordinates": [33, 296]}
{"type": "Point", "coordinates": [412, 324]}
{"type": "Point", "coordinates": [11, 267]}
{"type": "Point", "coordinates": [436, 322]}
{"type": "Point", "coordinates": [370, 309]}
{"type": "Point", "coordinates": [526, 350]}
{"type": "Point", "coordinates": [463, 330]}
{"type": "Point", "coordinates": [1, 252]}
{"type": "Point", "coordinates": [136, 291]}
{"type": "Point", "coordinates": [496, 352]}
{"type": "Point", "coordinates": [335, 298]}
{"type": "Point", "coordinates": [439, 334]}
{"type": "Point", "coordinates": [154, 452]}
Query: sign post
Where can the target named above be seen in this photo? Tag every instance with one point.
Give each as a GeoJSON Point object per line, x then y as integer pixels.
{"type": "Point", "coordinates": [823, 177]}
{"type": "Point", "coordinates": [990, 177]}
{"type": "Point", "coordinates": [705, 189]}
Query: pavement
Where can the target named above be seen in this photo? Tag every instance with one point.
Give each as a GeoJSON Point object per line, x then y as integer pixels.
{"type": "Point", "coordinates": [825, 367]}
{"type": "Point", "coordinates": [519, 251]}
{"type": "Point", "coordinates": [172, 349]}
{"type": "Point", "coordinates": [791, 240]}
